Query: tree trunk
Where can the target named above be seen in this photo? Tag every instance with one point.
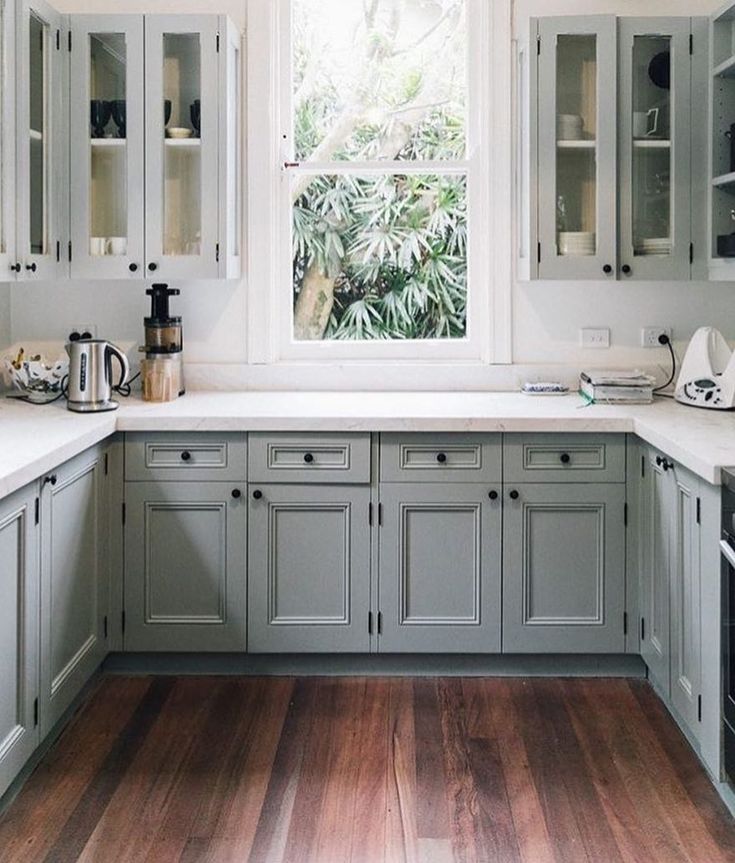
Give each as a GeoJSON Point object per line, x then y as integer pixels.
{"type": "Point", "coordinates": [313, 305]}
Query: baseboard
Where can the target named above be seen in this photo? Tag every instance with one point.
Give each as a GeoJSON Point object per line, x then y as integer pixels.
{"type": "Point", "coordinates": [391, 665]}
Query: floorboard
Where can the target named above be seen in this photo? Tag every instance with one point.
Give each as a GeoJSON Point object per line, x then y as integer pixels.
{"type": "Point", "coordinates": [331, 770]}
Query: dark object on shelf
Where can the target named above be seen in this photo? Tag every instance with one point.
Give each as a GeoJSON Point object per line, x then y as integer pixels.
{"type": "Point", "coordinates": [119, 116]}
{"type": "Point", "coordinates": [730, 134]}
{"type": "Point", "coordinates": [195, 112]}
{"type": "Point", "coordinates": [659, 70]}
{"type": "Point", "coordinates": [726, 246]}
{"type": "Point", "coordinates": [166, 111]}
{"type": "Point", "coordinates": [99, 114]}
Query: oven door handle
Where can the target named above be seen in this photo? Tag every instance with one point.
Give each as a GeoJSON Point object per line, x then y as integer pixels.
{"type": "Point", "coordinates": [727, 552]}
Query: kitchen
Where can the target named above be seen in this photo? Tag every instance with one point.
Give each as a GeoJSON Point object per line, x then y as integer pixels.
{"type": "Point", "coordinates": [372, 501]}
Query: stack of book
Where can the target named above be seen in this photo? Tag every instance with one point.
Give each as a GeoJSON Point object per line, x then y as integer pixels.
{"type": "Point", "coordinates": [617, 387]}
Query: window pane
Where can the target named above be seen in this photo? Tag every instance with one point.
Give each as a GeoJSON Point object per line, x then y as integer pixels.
{"type": "Point", "coordinates": [38, 135]}
{"type": "Point", "coordinates": [380, 257]}
{"type": "Point", "coordinates": [384, 79]}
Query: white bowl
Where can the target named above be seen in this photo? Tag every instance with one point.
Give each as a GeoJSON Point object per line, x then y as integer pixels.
{"type": "Point", "coordinates": [179, 132]}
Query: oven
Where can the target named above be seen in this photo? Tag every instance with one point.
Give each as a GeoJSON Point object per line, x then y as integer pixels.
{"type": "Point", "coordinates": [727, 548]}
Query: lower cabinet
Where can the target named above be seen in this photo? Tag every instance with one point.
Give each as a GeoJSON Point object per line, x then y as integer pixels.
{"type": "Point", "coordinates": [18, 633]}
{"type": "Point", "coordinates": [670, 583]}
{"type": "Point", "coordinates": [564, 568]}
{"type": "Point", "coordinates": [309, 568]}
{"type": "Point", "coordinates": [439, 575]}
{"type": "Point", "coordinates": [185, 566]}
{"type": "Point", "coordinates": [74, 580]}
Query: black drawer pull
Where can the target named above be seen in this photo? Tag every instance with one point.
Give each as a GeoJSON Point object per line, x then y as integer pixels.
{"type": "Point", "coordinates": [308, 458]}
{"type": "Point", "coordinates": [441, 457]}
{"type": "Point", "coordinates": [236, 493]}
{"type": "Point", "coordinates": [514, 495]}
{"type": "Point", "coordinates": [52, 478]}
{"type": "Point", "coordinates": [565, 458]}
{"type": "Point", "coordinates": [493, 495]}
{"type": "Point", "coordinates": [186, 455]}
{"type": "Point", "coordinates": [257, 494]}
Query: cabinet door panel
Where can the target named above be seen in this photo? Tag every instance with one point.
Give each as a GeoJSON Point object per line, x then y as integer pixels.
{"type": "Point", "coordinates": [185, 567]}
{"type": "Point", "coordinates": [107, 168]}
{"type": "Point", "coordinates": [439, 584]}
{"type": "Point", "coordinates": [75, 581]}
{"type": "Point", "coordinates": [685, 601]}
{"type": "Point", "coordinates": [564, 569]}
{"type": "Point", "coordinates": [309, 577]}
{"type": "Point", "coordinates": [18, 634]}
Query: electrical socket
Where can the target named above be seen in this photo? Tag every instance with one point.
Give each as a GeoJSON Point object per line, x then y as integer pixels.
{"type": "Point", "coordinates": [590, 337]}
{"type": "Point", "coordinates": [650, 335]}
{"type": "Point", "coordinates": [79, 329]}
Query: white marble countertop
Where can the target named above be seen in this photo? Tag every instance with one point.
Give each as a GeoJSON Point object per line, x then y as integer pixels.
{"type": "Point", "coordinates": [35, 439]}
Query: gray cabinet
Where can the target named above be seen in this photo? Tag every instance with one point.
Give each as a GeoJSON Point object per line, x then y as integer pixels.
{"type": "Point", "coordinates": [309, 568]}
{"type": "Point", "coordinates": [74, 580]}
{"type": "Point", "coordinates": [19, 548]}
{"type": "Point", "coordinates": [670, 575]}
{"type": "Point", "coordinates": [439, 586]}
{"type": "Point", "coordinates": [564, 568]}
{"type": "Point", "coordinates": [185, 566]}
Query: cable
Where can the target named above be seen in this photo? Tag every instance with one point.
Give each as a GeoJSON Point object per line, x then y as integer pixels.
{"type": "Point", "coordinates": [665, 340]}
{"type": "Point", "coordinates": [125, 389]}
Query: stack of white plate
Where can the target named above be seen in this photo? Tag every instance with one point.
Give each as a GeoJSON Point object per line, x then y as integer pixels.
{"type": "Point", "coordinates": [654, 246]}
{"type": "Point", "coordinates": [569, 127]}
{"type": "Point", "coordinates": [576, 243]}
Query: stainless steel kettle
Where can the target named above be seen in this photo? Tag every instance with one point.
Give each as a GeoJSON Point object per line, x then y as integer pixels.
{"type": "Point", "coordinates": [90, 386]}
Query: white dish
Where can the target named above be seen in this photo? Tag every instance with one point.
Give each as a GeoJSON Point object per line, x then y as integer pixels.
{"type": "Point", "coordinates": [179, 132]}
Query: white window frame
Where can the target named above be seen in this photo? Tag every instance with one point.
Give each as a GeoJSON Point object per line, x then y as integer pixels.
{"type": "Point", "coordinates": [489, 188]}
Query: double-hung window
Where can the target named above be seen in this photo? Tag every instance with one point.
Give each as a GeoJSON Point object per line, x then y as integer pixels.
{"type": "Point", "coordinates": [380, 158]}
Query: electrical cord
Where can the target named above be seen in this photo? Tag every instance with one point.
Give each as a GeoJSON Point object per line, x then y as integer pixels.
{"type": "Point", "coordinates": [125, 389]}
{"type": "Point", "coordinates": [665, 340]}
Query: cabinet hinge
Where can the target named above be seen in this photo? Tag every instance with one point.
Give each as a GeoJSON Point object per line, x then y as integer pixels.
{"type": "Point", "coordinates": [58, 251]}
{"type": "Point", "coordinates": [625, 623]}
{"type": "Point", "coordinates": [380, 520]}
{"type": "Point", "coordinates": [691, 253]}
{"type": "Point", "coordinates": [107, 463]}
{"type": "Point", "coordinates": [69, 251]}
{"type": "Point", "coordinates": [122, 621]}
{"type": "Point", "coordinates": [218, 43]}
{"type": "Point", "coordinates": [538, 253]}
{"type": "Point", "coordinates": [58, 40]}
{"type": "Point", "coordinates": [699, 510]}
{"type": "Point", "coordinates": [35, 712]}
{"type": "Point", "coordinates": [538, 46]}
{"type": "Point", "coordinates": [104, 625]}
{"type": "Point", "coordinates": [216, 253]}
{"type": "Point", "coordinates": [37, 514]}
{"type": "Point", "coordinates": [691, 43]}
{"type": "Point", "coordinates": [643, 629]}
{"type": "Point", "coordinates": [625, 514]}
{"type": "Point", "coordinates": [124, 512]}
{"type": "Point", "coordinates": [370, 514]}
{"type": "Point", "coordinates": [370, 623]}
{"type": "Point", "coordinates": [699, 708]}
{"type": "Point", "coordinates": [380, 623]}
{"type": "Point", "coordinates": [643, 466]}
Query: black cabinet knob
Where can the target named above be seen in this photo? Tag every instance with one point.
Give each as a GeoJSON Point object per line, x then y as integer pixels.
{"type": "Point", "coordinates": [236, 493]}
{"type": "Point", "coordinates": [257, 494]}
{"type": "Point", "coordinates": [565, 458]}
{"type": "Point", "coordinates": [493, 495]}
{"type": "Point", "coordinates": [51, 478]}
{"type": "Point", "coordinates": [152, 267]}
{"type": "Point", "coordinates": [627, 269]}
{"type": "Point", "coordinates": [308, 458]}
{"type": "Point", "coordinates": [31, 268]}
{"type": "Point", "coordinates": [441, 457]}
{"type": "Point", "coordinates": [133, 268]}
{"type": "Point", "coordinates": [514, 495]}
{"type": "Point", "coordinates": [186, 455]}
{"type": "Point", "coordinates": [607, 269]}
{"type": "Point", "coordinates": [15, 268]}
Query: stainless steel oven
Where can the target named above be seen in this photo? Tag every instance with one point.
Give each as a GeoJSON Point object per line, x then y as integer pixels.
{"type": "Point", "coordinates": [727, 548]}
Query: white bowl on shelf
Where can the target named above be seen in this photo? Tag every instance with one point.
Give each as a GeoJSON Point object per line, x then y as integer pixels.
{"type": "Point", "coordinates": [179, 132]}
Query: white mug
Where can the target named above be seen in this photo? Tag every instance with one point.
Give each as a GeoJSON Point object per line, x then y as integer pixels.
{"type": "Point", "coordinates": [117, 245]}
{"type": "Point", "coordinates": [645, 123]}
{"type": "Point", "coordinates": [97, 246]}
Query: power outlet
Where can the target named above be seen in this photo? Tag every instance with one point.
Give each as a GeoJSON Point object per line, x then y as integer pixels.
{"type": "Point", "coordinates": [650, 336]}
{"type": "Point", "coordinates": [590, 337]}
{"type": "Point", "coordinates": [82, 331]}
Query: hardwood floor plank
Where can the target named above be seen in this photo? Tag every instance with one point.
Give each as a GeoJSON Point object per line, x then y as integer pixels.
{"type": "Point", "coordinates": [432, 813]}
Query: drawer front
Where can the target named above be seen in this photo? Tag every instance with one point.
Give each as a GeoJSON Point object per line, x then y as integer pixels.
{"type": "Point", "coordinates": [317, 458]}
{"type": "Point", "coordinates": [564, 458]}
{"type": "Point", "coordinates": [176, 456]}
{"type": "Point", "coordinates": [440, 457]}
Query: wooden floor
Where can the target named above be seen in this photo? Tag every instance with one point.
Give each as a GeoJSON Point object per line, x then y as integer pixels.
{"type": "Point", "coordinates": [346, 769]}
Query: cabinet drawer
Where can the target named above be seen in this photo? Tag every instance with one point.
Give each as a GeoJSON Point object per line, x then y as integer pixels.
{"type": "Point", "coordinates": [440, 457]}
{"type": "Point", "coordinates": [564, 458]}
{"type": "Point", "coordinates": [309, 458]}
{"type": "Point", "coordinates": [177, 456]}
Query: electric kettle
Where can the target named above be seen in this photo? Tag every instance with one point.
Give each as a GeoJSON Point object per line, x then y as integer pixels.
{"type": "Point", "coordinates": [89, 388]}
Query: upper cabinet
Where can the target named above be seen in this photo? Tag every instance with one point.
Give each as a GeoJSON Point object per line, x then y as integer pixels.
{"type": "Point", "coordinates": [7, 138]}
{"type": "Point", "coordinates": [612, 128]}
{"type": "Point", "coordinates": [156, 167]}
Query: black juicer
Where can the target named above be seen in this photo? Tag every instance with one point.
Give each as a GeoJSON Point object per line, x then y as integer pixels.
{"type": "Point", "coordinates": [162, 370]}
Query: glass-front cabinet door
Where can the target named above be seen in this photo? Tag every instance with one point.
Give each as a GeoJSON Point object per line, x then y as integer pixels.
{"type": "Point", "coordinates": [107, 212]}
{"type": "Point", "coordinates": [576, 144]}
{"type": "Point", "coordinates": [182, 146]}
{"type": "Point", "coordinates": [655, 148]}
{"type": "Point", "coordinates": [41, 149]}
{"type": "Point", "coordinates": [8, 262]}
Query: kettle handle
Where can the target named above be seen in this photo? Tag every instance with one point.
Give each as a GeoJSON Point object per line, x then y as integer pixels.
{"type": "Point", "coordinates": [124, 365]}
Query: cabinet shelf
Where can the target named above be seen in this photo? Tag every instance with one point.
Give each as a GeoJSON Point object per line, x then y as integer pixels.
{"type": "Point", "coordinates": [576, 145]}
{"type": "Point", "coordinates": [107, 142]}
{"type": "Point", "coordinates": [651, 144]}
{"type": "Point", "coordinates": [724, 180]}
{"type": "Point", "coordinates": [185, 143]}
{"type": "Point", "coordinates": [726, 69]}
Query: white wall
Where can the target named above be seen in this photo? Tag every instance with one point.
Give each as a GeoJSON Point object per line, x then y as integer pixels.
{"type": "Point", "coordinates": [546, 316]}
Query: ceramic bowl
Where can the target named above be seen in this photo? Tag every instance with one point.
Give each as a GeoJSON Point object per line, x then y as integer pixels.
{"type": "Point", "coordinates": [179, 132]}
{"type": "Point", "coordinates": [37, 374]}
